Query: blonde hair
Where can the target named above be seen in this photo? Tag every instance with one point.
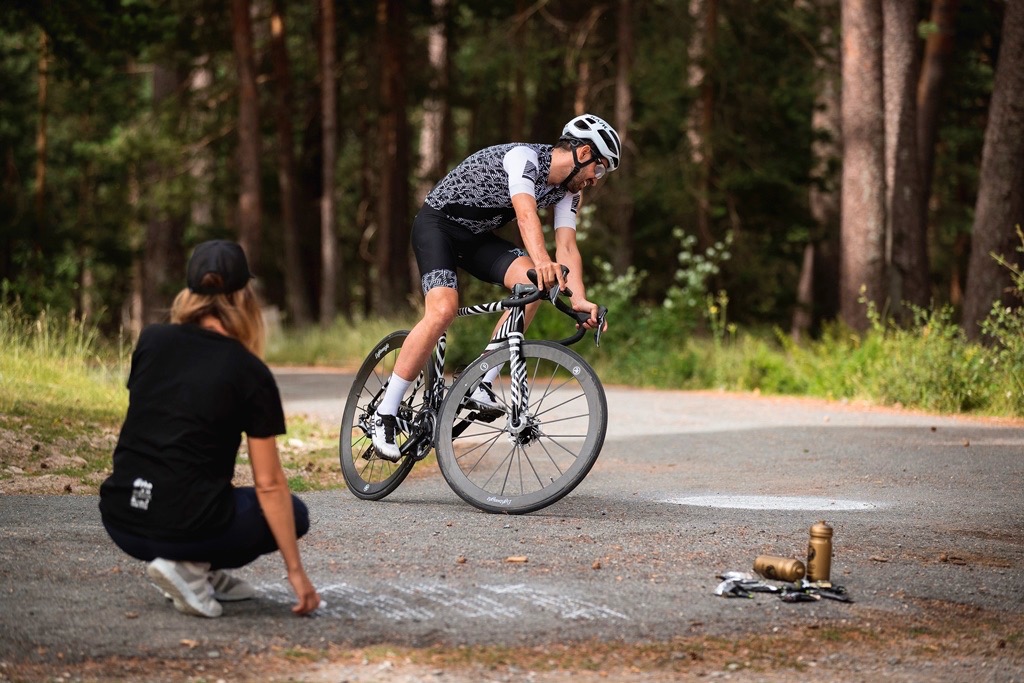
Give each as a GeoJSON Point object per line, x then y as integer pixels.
{"type": "Point", "coordinates": [238, 312]}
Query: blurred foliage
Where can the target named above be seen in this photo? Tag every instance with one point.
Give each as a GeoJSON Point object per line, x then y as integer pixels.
{"type": "Point", "coordinates": [117, 159]}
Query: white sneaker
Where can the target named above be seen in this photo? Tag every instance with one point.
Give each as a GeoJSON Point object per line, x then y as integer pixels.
{"type": "Point", "coordinates": [188, 585]}
{"type": "Point", "coordinates": [484, 397]}
{"type": "Point", "coordinates": [228, 588]}
{"type": "Point", "coordinates": [383, 431]}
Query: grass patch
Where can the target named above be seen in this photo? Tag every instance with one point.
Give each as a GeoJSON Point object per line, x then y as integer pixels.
{"type": "Point", "coordinates": [343, 344]}
{"type": "Point", "coordinates": [62, 399]}
{"type": "Point", "coordinates": [926, 365]}
{"type": "Point", "coordinates": [309, 457]}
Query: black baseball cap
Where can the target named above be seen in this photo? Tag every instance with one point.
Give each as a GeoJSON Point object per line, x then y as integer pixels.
{"type": "Point", "coordinates": [223, 259]}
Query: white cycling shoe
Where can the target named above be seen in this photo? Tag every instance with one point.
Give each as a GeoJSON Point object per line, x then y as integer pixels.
{"type": "Point", "coordinates": [383, 431]}
{"type": "Point", "coordinates": [484, 397]}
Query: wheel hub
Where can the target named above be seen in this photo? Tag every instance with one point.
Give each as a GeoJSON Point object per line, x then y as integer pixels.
{"type": "Point", "coordinates": [523, 433]}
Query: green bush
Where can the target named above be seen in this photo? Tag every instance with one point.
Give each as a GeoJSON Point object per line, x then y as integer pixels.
{"type": "Point", "coordinates": [343, 344]}
{"type": "Point", "coordinates": [1005, 328]}
{"type": "Point", "coordinates": [927, 364]}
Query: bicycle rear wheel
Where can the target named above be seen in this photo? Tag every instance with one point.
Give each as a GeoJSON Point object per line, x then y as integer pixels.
{"type": "Point", "coordinates": [368, 476]}
{"type": "Point", "coordinates": [497, 470]}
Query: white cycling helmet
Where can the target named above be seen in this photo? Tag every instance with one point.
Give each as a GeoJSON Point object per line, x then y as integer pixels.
{"type": "Point", "coordinates": [596, 132]}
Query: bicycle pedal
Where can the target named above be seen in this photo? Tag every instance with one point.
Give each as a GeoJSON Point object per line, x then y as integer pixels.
{"type": "Point", "coordinates": [486, 414]}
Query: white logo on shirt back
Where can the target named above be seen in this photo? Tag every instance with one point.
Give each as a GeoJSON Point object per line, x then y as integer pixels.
{"type": "Point", "coordinates": [142, 494]}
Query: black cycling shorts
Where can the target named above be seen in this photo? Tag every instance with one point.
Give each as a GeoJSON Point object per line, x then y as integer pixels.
{"type": "Point", "coordinates": [441, 246]}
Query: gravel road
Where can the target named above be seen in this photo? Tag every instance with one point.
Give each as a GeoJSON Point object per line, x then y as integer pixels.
{"type": "Point", "coordinates": [927, 512]}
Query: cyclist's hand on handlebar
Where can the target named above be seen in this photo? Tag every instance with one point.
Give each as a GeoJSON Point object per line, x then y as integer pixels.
{"type": "Point", "coordinates": [549, 274]}
{"type": "Point", "coordinates": [584, 306]}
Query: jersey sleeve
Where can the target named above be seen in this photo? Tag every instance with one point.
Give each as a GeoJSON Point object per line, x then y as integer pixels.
{"type": "Point", "coordinates": [565, 211]}
{"type": "Point", "coordinates": [522, 166]}
{"type": "Point", "coordinates": [264, 413]}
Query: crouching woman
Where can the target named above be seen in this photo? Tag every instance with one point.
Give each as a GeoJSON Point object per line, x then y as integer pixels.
{"type": "Point", "coordinates": [195, 386]}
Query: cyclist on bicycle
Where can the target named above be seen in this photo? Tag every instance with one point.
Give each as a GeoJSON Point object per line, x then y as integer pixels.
{"type": "Point", "coordinates": [454, 228]}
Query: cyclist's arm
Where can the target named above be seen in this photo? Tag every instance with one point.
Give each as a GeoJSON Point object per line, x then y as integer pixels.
{"type": "Point", "coordinates": [567, 252]}
{"type": "Point", "coordinates": [521, 164]}
{"type": "Point", "coordinates": [548, 271]}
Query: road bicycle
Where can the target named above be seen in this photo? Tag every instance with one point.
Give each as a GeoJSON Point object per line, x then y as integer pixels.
{"type": "Point", "coordinates": [529, 452]}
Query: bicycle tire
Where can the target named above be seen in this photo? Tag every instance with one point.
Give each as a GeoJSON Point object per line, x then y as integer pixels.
{"type": "Point", "coordinates": [492, 469]}
{"type": "Point", "coordinates": [367, 476]}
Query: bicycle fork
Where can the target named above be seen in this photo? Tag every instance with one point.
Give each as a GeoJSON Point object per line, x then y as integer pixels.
{"type": "Point", "coordinates": [511, 332]}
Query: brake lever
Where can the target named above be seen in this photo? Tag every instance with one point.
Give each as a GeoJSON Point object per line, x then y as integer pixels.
{"type": "Point", "coordinates": [553, 293]}
{"type": "Point", "coordinates": [602, 314]}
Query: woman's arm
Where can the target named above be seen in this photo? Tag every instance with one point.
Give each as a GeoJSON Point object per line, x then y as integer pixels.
{"type": "Point", "coordinates": [276, 501]}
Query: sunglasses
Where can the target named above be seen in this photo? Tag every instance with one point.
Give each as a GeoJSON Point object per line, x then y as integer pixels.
{"type": "Point", "coordinates": [600, 168]}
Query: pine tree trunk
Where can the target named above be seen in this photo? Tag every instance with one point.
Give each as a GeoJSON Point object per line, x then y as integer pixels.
{"type": "Point", "coordinates": [249, 208]}
{"type": "Point", "coordinates": [815, 295]}
{"type": "Point", "coordinates": [329, 113]}
{"type": "Point", "coordinates": [862, 260]}
{"type": "Point", "coordinates": [436, 109]}
{"type": "Point", "coordinates": [294, 283]}
{"type": "Point", "coordinates": [704, 14]}
{"type": "Point", "coordinates": [804, 311]}
{"type": "Point", "coordinates": [163, 263]}
{"type": "Point", "coordinates": [906, 231]}
{"type": "Point", "coordinates": [622, 219]}
{"type": "Point", "coordinates": [41, 140]}
{"type": "Point", "coordinates": [517, 106]}
{"type": "Point", "coordinates": [938, 54]}
{"type": "Point", "coordinates": [132, 315]}
{"type": "Point", "coordinates": [393, 277]}
{"type": "Point", "coordinates": [1000, 206]}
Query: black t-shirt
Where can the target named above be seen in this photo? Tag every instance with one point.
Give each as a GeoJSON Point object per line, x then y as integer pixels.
{"type": "Point", "coordinates": [191, 392]}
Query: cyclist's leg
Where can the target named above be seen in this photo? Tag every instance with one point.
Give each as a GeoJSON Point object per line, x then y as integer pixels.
{"type": "Point", "coordinates": [515, 274]}
{"type": "Point", "coordinates": [434, 244]}
{"type": "Point", "coordinates": [499, 261]}
{"type": "Point", "coordinates": [441, 303]}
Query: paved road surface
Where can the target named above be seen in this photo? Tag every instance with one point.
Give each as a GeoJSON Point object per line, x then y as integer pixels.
{"type": "Point", "coordinates": [927, 511]}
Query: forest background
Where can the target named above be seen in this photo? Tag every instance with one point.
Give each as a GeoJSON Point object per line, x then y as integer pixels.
{"type": "Point", "coordinates": [830, 175]}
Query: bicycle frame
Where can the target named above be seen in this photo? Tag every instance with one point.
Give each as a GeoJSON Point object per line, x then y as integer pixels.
{"type": "Point", "coordinates": [421, 427]}
{"type": "Point", "coordinates": [511, 333]}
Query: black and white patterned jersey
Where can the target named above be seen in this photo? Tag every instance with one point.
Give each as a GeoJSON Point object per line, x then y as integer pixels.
{"type": "Point", "coordinates": [477, 194]}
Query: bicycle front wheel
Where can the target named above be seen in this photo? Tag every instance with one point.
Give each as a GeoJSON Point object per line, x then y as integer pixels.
{"type": "Point", "coordinates": [368, 476]}
{"type": "Point", "coordinates": [500, 467]}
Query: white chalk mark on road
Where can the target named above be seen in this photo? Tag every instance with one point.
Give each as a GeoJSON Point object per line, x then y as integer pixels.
{"type": "Point", "coordinates": [773, 503]}
{"type": "Point", "coordinates": [424, 601]}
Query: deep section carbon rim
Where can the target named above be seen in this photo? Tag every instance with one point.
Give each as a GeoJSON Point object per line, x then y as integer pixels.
{"type": "Point", "coordinates": [501, 467]}
{"type": "Point", "coordinates": [366, 475]}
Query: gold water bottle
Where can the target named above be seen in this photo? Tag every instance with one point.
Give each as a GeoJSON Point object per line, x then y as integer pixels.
{"type": "Point", "coordinates": [819, 553]}
{"type": "Point", "coordinates": [779, 568]}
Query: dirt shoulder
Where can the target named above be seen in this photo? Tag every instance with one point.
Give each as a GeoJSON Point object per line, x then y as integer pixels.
{"type": "Point", "coordinates": [948, 643]}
